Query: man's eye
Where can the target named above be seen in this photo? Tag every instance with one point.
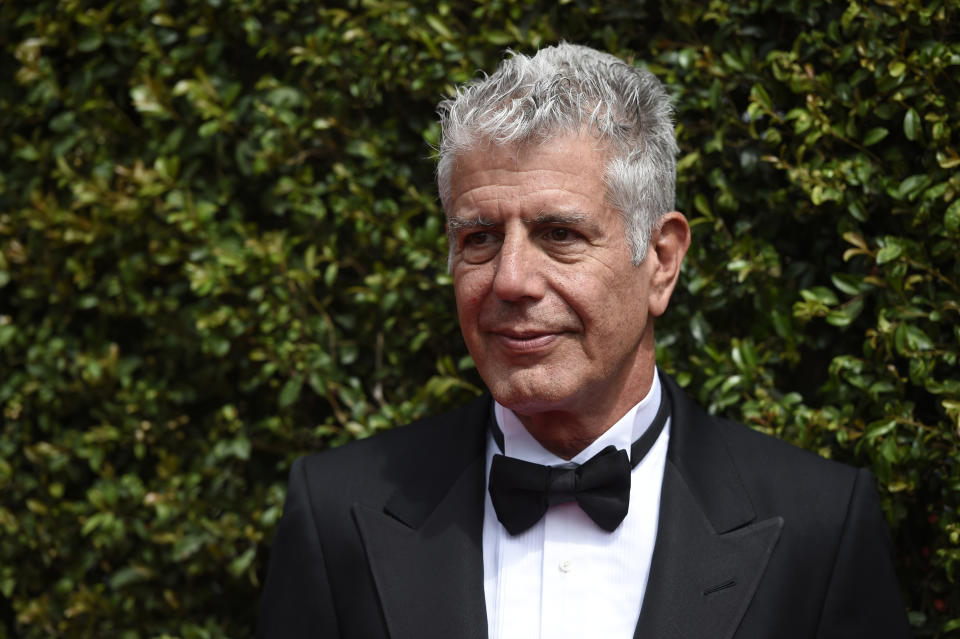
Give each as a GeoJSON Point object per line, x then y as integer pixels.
{"type": "Point", "coordinates": [477, 239]}
{"type": "Point", "coordinates": [480, 246]}
{"type": "Point", "coordinates": [559, 235]}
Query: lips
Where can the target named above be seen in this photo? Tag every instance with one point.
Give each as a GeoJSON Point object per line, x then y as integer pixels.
{"type": "Point", "coordinates": [525, 342]}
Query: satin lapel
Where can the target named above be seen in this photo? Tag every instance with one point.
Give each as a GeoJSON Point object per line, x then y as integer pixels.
{"type": "Point", "coordinates": [425, 549]}
{"type": "Point", "coordinates": [710, 552]}
{"type": "Point", "coordinates": [701, 582]}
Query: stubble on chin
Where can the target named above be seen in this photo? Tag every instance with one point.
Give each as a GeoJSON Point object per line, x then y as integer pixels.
{"type": "Point", "coordinates": [526, 390]}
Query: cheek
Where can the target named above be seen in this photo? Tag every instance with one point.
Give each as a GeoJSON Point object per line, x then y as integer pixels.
{"type": "Point", "coordinates": [606, 306]}
{"type": "Point", "coordinates": [591, 298]}
{"type": "Point", "coordinates": [470, 289]}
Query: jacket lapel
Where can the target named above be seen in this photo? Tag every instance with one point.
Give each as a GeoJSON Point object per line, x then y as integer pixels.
{"type": "Point", "coordinates": [425, 545]}
{"type": "Point", "coordinates": [710, 552]}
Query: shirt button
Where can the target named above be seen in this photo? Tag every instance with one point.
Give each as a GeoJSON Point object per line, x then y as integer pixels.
{"type": "Point", "coordinates": [566, 565]}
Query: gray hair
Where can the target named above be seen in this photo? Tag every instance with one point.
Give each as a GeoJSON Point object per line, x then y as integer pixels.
{"type": "Point", "coordinates": [566, 89]}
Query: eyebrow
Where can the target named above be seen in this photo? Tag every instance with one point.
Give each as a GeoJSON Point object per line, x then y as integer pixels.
{"type": "Point", "coordinates": [456, 225]}
{"type": "Point", "coordinates": [571, 219]}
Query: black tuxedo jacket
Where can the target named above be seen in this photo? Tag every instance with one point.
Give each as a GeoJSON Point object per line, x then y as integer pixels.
{"type": "Point", "coordinates": [382, 538]}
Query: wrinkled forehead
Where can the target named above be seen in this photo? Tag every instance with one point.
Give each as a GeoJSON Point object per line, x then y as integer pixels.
{"type": "Point", "coordinates": [522, 151]}
{"type": "Point", "coordinates": [536, 143]}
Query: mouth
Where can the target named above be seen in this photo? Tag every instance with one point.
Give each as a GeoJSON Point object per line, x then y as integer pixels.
{"type": "Point", "coordinates": [523, 342]}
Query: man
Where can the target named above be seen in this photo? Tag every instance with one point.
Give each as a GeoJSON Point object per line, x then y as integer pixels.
{"type": "Point", "coordinates": [589, 497]}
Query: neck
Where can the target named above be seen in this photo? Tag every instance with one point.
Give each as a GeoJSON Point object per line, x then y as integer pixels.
{"type": "Point", "coordinates": [567, 432]}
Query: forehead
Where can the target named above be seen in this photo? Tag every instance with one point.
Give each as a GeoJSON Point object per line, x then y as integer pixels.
{"type": "Point", "coordinates": [563, 171]}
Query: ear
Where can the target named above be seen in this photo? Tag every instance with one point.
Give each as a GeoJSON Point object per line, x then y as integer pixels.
{"type": "Point", "coordinates": [668, 246]}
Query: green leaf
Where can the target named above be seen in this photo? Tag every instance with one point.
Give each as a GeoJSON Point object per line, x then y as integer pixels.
{"type": "Point", "coordinates": [439, 26]}
{"type": "Point", "coordinates": [330, 274]}
{"type": "Point", "coordinates": [918, 340]}
{"type": "Point", "coordinates": [855, 239]}
{"type": "Point", "coordinates": [290, 391]}
{"type": "Point", "coordinates": [874, 135]}
{"type": "Point", "coordinates": [91, 524]}
{"type": "Point", "coordinates": [947, 161]}
{"type": "Point", "coordinates": [240, 564]}
{"type": "Point", "coordinates": [889, 253]}
{"type": "Point", "coordinates": [219, 346]}
{"type": "Point", "coordinates": [917, 618]}
{"type": "Point", "coordinates": [953, 624]}
{"type": "Point", "coordinates": [909, 339]}
{"type": "Point", "coordinates": [849, 283]}
{"type": "Point", "coordinates": [820, 294]}
{"type": "Point", "coordinates": [951, 218]}
{"type": "Point", "coordinates": [188, 545]}
{"type": "Point", "coordinates": [128, 575]}
{"type": "Point", "coordinates": [702, 205]}
{"type": "Point", "coordinates": [89, 41]}
{"type": "Point", "coordinates": [362, 148]}
{"type": "Point", "coordinates": [844, 315]}
{"type": "Point", "coordinates": [759, 95]}
{"type": "Point", "coordinates": [285, 97]}
{"type": "Point", "coordinates": [890, 451]}
{"type": "Point", "coordinates": [911, 187]}
{"type": "Point", "coordinates": [912, 127]}
{"type": "Point", "coordinates": [879, 429]}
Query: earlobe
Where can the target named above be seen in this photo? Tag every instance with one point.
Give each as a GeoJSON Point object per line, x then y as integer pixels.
{"type": "Point", "coordinates": [671, 241]}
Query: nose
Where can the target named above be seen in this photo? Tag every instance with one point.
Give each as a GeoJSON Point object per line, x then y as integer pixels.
{"type": "Point", "coordinates": [518, 273]}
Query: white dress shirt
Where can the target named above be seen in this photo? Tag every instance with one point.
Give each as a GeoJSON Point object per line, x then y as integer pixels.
{"type": "Point", "coordinates": [566, 576]}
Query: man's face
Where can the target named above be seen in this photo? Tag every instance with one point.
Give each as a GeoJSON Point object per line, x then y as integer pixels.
{"type": "Point", "coordinates": [551, 308]}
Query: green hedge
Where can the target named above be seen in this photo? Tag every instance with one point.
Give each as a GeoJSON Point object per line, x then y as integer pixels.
{"type": "Point", "coordinates": [220, 248]}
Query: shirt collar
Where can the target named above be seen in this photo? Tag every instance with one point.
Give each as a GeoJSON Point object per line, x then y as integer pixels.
{"type": "Point", "coordinates": [520, 444]}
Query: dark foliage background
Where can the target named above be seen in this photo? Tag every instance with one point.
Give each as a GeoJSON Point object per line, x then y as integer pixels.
{"type": "Point", "coordinates": [220, 248]}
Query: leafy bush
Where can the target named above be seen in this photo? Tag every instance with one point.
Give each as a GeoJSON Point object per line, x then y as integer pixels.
{"type": "Point", "coordinates": [220, 248]}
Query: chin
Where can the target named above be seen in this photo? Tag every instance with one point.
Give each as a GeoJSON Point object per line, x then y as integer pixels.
{"type": "Point", "coordinates": [527, 391]}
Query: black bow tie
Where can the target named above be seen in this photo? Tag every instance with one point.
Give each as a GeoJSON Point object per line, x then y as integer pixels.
{"type": "Point", "coordinates": [521, 491]}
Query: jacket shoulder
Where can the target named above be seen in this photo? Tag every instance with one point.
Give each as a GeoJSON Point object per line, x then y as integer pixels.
{"type": "Point", "coordinates": [767, 456]}
{"type": "Point", "coordinates": [375, 466]}
{"type": "Point", "coordinates": [776, 475]}
{"type": "Point", "coordinates": [781, 478]}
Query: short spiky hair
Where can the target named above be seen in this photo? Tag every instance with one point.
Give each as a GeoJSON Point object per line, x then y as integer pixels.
{"type": "Point", "coordinates": [570, 88]}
